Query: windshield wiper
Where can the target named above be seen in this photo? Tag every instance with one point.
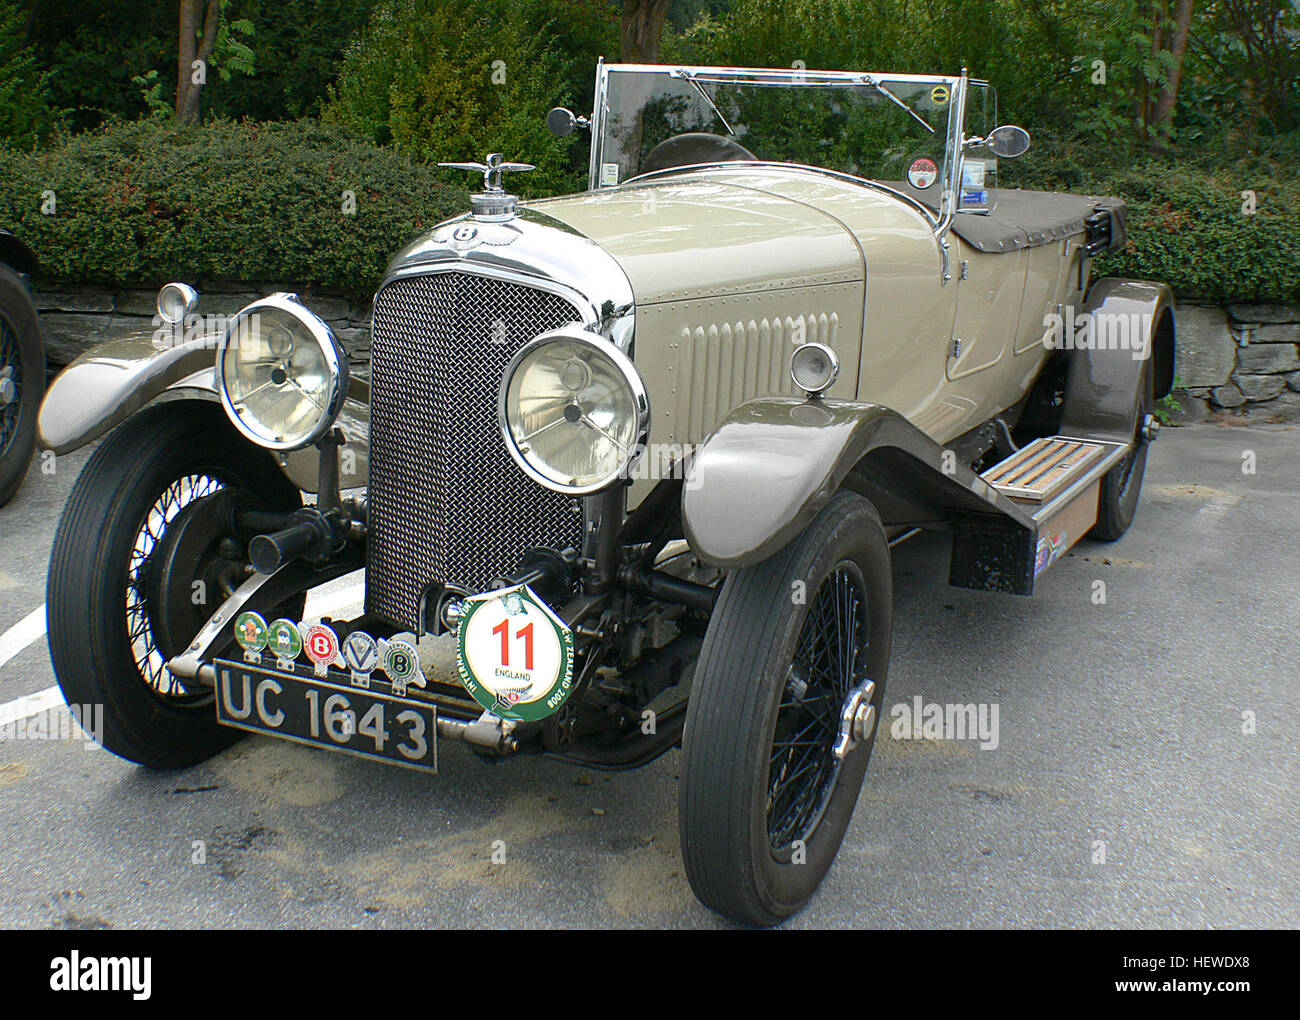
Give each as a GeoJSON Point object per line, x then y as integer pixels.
{"type": "Point", "coordinates": [682, 73]}
{"type": "Point", "coordinates": [868, 80]}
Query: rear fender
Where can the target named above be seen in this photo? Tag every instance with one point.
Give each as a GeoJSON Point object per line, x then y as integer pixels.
{"type": "Point", "coordinates": [1130, 322]}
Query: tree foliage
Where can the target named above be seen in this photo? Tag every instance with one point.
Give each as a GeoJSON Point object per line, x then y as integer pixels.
{"type": "Point", "coordinates": [1100, 69]}
{"type": "Point", "coordinates": [453, 80]}
{"type": "Point", "coordinates": [209, 39]}
{"type": "Point", "coordinates": [406, 83]}
{"type": "Point", "coordinates": [24, 105]}
{"type": "Point", "coordinates": [93, 54]}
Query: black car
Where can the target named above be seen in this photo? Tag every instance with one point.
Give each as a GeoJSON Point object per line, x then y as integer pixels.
{"type": "Point", "coordinates": [22, 365]}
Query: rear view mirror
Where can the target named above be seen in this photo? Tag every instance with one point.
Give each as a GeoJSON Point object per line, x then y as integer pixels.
{"type": "Point", "coordinates": [1007, 141]}
{"type": "Point", "coordinates": [562, 122]}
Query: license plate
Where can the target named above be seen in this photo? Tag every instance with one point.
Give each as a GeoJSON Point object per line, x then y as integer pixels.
{"type": "Point", "coordinates": [318, 712]}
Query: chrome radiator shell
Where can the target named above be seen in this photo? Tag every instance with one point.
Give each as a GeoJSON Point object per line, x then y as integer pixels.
{"type": "Point", "coordinates": [447, 505]}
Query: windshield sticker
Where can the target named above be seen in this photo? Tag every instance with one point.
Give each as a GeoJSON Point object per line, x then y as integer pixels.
{"type": "Point", "coordinates": [608, 174]}
{"type": "Point", "coordinates": [939, 95]}
{"type": "Point", "coordinates": [922, 173]}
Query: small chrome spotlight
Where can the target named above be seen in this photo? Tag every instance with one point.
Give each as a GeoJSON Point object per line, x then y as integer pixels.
{"type": "Point", "coordinates": [176, 301]}
{"type": "Point", "coordinates": [814, 368]}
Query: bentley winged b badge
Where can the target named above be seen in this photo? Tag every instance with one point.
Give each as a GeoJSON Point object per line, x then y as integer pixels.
{"type": "Point", "coordinates": [493, 202]}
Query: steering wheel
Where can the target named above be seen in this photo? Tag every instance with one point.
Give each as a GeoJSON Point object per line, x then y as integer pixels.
{"type": "Point", "coordinates": [691, 148]}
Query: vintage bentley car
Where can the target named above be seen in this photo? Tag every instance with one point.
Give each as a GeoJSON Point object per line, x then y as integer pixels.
{"type": "Point", "coordinates": [22, 365]}
{"type": "Point", "coordinates": [639, 452]}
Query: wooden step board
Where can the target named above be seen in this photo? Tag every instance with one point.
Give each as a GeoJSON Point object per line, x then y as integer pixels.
{"type": "Point", "coordinates": [1034, 472]}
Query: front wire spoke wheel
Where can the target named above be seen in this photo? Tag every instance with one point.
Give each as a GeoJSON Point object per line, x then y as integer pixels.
{"type": "Point", "coordinates": [137, 556]}
{"type": "Point", "coordinates": [144, 646]}
{"type": "Point", "coordinates": [771, 768]}
{"type": "Point", "coordinates": [803, 769]}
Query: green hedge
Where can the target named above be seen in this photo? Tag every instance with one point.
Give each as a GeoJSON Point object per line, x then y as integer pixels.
{"type": "Point", "coordinates": [145, 202]}
{"type": "Point", "coordinates": [141, 203]}
{"type": "Point", "coordinates": [1186, 223]}
{"type": "Point", "coordinates": [1190, 229]}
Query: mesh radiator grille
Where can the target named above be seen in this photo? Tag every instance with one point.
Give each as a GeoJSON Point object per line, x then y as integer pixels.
{"type": "Point", "coordinates": [447, 503]}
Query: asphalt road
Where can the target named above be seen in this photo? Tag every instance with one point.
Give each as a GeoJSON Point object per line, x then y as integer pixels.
{"type": "Point", "coordinates": [1122, 791]}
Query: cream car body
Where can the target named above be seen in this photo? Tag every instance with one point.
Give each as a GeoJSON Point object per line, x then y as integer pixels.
{"type": "Point", "coordinates": [815, 361]}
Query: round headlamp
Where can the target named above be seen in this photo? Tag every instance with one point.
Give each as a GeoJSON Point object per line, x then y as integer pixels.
{"type": "Point", "coordinates": [574, 411]}
{"type": "Point", "coordinates": [281, 373]}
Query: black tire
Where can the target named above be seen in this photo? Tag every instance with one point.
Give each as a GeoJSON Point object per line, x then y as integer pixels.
{"type": "Point", "coordinates": [1121, 486]}
{"type": "Point", "coordinates": [744, 687]}
{"type": "Point", "coordinates": [177, 451]}
{"type": "Point", "coordinates": [22, 381]}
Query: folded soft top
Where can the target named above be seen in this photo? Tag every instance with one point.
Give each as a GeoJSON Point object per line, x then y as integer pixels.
{"type": "Point", "coordinates": [1027, 219]}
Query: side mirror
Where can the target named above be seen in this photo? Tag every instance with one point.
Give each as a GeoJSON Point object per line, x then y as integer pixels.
{"type": "Point", "coordinates": [561, 122]}
{"type": "Point", "coordinates": [1007, 141]}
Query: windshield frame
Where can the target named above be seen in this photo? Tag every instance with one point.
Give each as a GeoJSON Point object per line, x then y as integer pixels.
{"type": "Point", "coordinates": [802, 78]}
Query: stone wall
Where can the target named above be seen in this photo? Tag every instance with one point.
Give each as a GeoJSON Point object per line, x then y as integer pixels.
{"type": "Point", "coordinates": [1242, 359]}
{"type": "Point", "coordinates": [75, 319]}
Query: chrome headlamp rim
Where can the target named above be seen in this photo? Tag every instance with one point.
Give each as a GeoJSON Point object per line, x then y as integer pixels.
{"type": "Point", "coordinates": [833, 361]}
{"type": "Point", "coordinates": [626, 368]}
{"type": "Point", "coordinates": [335, 359]}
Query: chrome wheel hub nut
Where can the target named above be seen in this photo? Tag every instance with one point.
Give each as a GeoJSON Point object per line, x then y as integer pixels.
{"type": "Point", "coordinates": [857, 719]}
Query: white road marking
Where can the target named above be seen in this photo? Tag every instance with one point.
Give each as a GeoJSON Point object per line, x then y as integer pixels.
{"type": "Point", "coordinates": [1217, 507]}
{"type": "Point", "coordinates": [29, 629]}
{"type": "Point", "coordinates": [332, 598]}
{"type": "Point", "coordinates": [32, 704]}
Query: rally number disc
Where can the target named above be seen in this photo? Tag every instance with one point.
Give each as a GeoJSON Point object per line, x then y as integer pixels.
{"type": "Point", "coordinates": [515, 655]}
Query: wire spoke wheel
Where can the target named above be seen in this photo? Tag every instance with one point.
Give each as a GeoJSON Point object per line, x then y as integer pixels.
{"type": "Point", "coordinates": [147, 548]}
{"type": "Point", "coordinates": [22, 381]}
{"type": "Point", "coordinates": [777, 738]}
{"type": "Point", "coordinates": [831, 648]}
{"type": "Point", "coordinates": [144, 646]}
{"type": "Point", "coordinates": [11, 385]}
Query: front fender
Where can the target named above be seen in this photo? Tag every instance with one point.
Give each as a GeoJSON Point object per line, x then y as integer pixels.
{"type": "Point", "coordinates": [774, 462]}
{"type": "Point", "coordinates": [108, 384]}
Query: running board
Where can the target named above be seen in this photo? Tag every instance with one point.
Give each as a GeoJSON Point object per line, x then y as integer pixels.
{"type": "Point", "coordinates": [1055, 484]}
{"type": "Point", "coordinates": [1036, 471]}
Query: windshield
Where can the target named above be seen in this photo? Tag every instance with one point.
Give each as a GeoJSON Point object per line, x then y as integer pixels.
{"type": "Point", "coordinates": [873, 126]}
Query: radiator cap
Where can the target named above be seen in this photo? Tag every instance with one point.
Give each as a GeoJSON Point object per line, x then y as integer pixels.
{"type": "Point", "coordinates": [492, 203]}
